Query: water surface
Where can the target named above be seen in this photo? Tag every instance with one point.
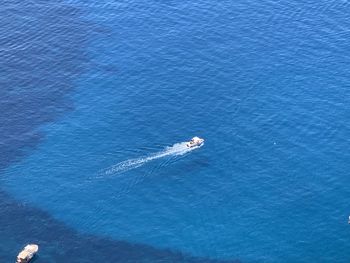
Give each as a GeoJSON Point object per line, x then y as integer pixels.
{"type": "Point", "coordinates": [92, 86]}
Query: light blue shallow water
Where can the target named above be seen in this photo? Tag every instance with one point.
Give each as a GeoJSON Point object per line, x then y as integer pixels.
{"type": "Point", "coordinates": [265, 83]}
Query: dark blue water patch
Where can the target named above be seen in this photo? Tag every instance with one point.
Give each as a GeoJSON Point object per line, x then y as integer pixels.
{"type": "Point", "coordinates": [21, 223]}
{"type": "Point", "coordinates": [41, 50]}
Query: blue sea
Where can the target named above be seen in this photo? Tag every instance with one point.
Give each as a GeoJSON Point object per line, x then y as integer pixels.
{"type": "Point", "coordinates": [97, 100]}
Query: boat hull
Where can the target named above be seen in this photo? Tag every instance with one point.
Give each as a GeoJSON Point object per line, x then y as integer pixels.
{"type": "Point", "coordinates": [27, 253]}
{"type": "Point", "coordinates": [195, 143]}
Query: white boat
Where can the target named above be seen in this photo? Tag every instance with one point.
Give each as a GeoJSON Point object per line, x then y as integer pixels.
{"type": "Point", "coordinates": [27, 253]}
{"type": "Point", "coordinates": [195, 141]}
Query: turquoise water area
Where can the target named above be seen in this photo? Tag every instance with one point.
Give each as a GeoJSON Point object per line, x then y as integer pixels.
{"type": "Point", "coordinates": [123, 84]}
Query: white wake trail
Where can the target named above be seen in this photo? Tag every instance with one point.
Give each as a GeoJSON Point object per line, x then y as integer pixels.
{"type": "Point", "coordinates": [176, 149]}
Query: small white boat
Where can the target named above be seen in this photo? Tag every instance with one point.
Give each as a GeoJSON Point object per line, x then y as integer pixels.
{"type": "Point", "coordinates": [27, 253]}
{"type": "Point", "coordinates": [195, 141]}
